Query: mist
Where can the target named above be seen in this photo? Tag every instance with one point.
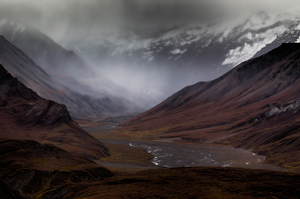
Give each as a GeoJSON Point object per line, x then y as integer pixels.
{"type": "Point", "coordinates": [72, 19]}
{"type": "Point", "coordinates": [99, 31]}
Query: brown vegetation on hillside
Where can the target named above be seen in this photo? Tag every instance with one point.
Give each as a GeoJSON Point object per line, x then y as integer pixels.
{"type": "Point", "coordinates": [25, 115]}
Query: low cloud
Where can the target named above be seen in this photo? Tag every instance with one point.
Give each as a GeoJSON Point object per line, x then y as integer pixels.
{"type": "Point", "coordinates": [68, 19]}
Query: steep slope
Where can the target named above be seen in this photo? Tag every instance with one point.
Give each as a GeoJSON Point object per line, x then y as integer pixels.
{"type": "Point", "coordinates": [44, 51]}
{"type": "Point", "coordinates": [255, 105]}
{"type": "Point", "coordinates": [25, 115]}
{"type": "Point", "coordinates": [68, 69]}
{"type": "Point", "coordinates": [80, 106]}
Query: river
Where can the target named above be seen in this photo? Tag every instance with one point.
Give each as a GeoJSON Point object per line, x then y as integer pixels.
{"type": "Point", "coordinates": [168, 154]}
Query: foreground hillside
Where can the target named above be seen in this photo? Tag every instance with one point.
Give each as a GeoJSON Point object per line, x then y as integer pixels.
{"type": "Point", "coordinates": [255, 105]}
{"type": "Point", "coordinates": [25, 115]}
{"type": "Point", "coordinates": [30, 169]}
{"type": "Point", "coordinates": [192, 183]}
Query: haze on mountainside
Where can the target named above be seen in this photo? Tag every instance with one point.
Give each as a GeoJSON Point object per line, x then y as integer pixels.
{"type": "Point", "coordinates": [115, 36]}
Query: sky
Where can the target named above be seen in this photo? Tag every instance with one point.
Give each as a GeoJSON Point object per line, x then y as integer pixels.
{"type": "Point", "coordinates": [64, 20]}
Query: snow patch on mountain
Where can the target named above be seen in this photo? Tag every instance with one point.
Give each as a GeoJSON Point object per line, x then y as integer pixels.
{"type": "Point", "coordinates": [248, 50]}
{"type": "Point", "coordinates": [178, 51]}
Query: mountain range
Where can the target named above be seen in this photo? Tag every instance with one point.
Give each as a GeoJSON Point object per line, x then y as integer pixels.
{"type": "Point", "coordinates": [70, 70]}
{"type": "Point", "coordinates": [154, 64]}
{"type": "Point", "coordinates": [180, 56]}
{"type": "Point", "coordinates": [255, 105]}
{"type": "Point", "coordinates": [82, 101]}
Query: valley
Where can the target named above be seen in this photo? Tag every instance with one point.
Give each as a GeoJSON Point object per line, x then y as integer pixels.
{"type": "Point", "coordinates": [141, 106]}
{"type": "Point", "coordinates": [175, 152]}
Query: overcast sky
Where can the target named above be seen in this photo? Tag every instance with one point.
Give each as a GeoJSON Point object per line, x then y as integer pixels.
{"type": "Point", "coordinates": [60, 19]}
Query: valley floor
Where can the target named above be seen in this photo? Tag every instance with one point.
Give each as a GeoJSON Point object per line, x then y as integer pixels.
{"type": "Point", "coordinates": [137, 177]}
{"type": "Point", "coordinates": [193, 182]}
{"type": "Point", "coordinates": [33, 170]}
{"type": "Point", "coordinates": [171, 152]}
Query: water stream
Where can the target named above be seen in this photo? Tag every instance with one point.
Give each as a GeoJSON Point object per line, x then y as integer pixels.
{"type": "Point", "coordinates": [170, 155]}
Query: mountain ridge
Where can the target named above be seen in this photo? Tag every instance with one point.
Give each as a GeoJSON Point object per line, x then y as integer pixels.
{"type": "Point", "coordinates": [244, 72]}
{"type": "Point", "coordinates": [257, 94]}
{"type": "Point", "coordinates": [81, 106]}
{"type": "Point", "coordinates": [25, 115]}
{"type": "Point", "coordinates": [43, 50]}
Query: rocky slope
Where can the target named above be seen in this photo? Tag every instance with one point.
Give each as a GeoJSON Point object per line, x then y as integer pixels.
{"type": "Point", "coordinates": [25, 115]}
{"type": "Point", "coordinates": [255, 105]}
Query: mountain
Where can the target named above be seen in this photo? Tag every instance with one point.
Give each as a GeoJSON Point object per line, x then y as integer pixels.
{"type": "Point", "coordinates": [25, 115]}
{"type": "Point", "coordinates": [81, 106]}
{"type": "Point", "coordinates": [180, 56]}
{"type": "Point", "coordinates": [41, 147]}
{"type": "Point", "coordinates": [255, 105]}
{"type": "Point", "coordinates": [71, 71]}
{"type": "Point", "coordinates": [43, 50]}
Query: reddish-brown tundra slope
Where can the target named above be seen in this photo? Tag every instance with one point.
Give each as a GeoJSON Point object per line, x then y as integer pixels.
{"type": "Point", "coordinates": [255, 105]}
{"type": "Point", "coordinates": [25, 115]}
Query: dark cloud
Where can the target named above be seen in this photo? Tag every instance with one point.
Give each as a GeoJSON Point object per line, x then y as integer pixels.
{"type": "Point", "coordinates": [162, 13]}
{"type": "Point", "coordinates": [72, 18]}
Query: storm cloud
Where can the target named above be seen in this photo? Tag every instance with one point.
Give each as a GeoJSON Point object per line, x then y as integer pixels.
{"type": "Point", "coordinates": [70, 19]}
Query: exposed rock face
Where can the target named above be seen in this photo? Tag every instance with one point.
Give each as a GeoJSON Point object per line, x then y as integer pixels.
{"type": "Point", "coordinates": [26, 115]}
{"type": "Point", "coordinates": [45, 112]}
{"type": "Point", "coordinates": [255, 104]}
